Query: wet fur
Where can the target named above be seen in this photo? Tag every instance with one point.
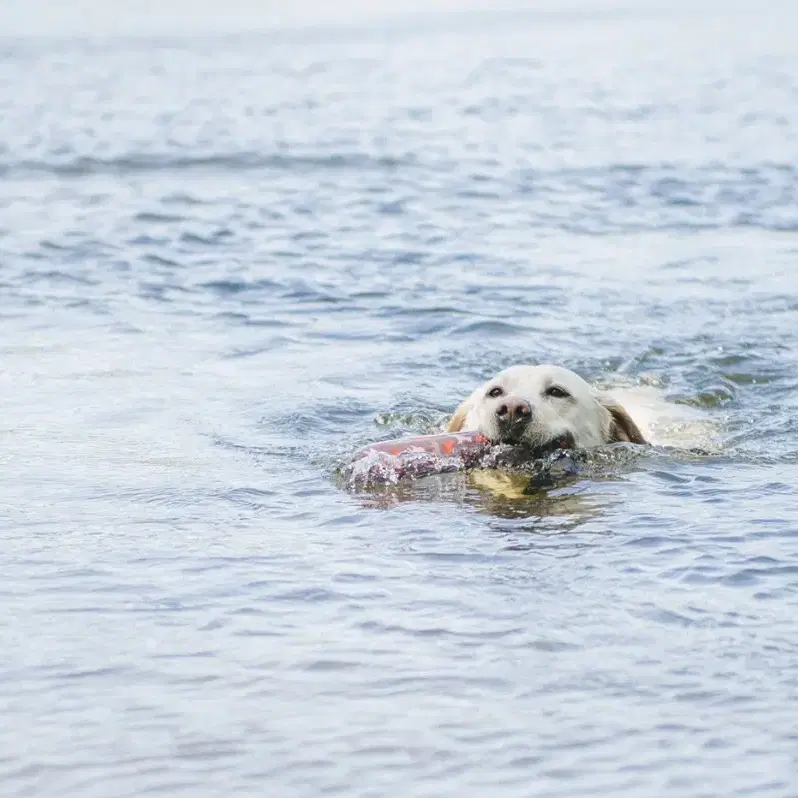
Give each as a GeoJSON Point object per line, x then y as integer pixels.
{"type": "Point", "coordinates": [622, 428]}
{"type": "Point", "coordinates": [457, 421]}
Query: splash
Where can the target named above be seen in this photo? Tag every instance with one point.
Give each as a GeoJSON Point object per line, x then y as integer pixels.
{"type": "Point", "coordinates": [388, 462]}
{"type": "Point", "coordinates": [392, 462]}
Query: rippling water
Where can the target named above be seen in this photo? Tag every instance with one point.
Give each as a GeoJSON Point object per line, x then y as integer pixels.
{"type": "Point", "coordinates": [228, 261]}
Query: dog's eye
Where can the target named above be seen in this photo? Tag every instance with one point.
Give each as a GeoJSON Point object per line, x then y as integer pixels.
{"type": "Point", "coordinates": [557, 392]}
{"type": "Point", "coordinates": [496, 392]}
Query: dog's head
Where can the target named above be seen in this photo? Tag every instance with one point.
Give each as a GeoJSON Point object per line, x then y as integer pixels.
{"type": "Point", "coordinates": [540, 405]}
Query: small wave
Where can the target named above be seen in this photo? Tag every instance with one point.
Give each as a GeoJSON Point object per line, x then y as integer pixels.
{"type": "Point", "coordinates": [83, 166]}
{"type": "Point", "coordinates": [494, 327]}
{"type": "Point", "coordinates": [231, 287]}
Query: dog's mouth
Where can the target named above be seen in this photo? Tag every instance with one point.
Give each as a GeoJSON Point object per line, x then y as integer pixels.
{"type": "Point", "coordinates": [538, 450]}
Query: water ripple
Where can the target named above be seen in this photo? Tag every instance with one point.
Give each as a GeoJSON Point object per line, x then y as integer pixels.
{"type": "Point", "coordinates": [229, 262]}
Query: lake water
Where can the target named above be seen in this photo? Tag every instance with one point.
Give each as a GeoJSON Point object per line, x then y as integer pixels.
{"type": "Point", "coordinates": [229, 260]}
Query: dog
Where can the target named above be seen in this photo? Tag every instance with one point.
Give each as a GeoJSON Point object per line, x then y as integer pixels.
{"type": "Point", "coordinates": [544, 407]}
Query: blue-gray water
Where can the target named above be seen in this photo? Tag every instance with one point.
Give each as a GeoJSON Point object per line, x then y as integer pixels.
{"type": "Point", "coordinates": [226, 261]}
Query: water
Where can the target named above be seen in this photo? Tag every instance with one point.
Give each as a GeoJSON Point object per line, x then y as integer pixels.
{"type": "Point", "coordinates": [228, 261]}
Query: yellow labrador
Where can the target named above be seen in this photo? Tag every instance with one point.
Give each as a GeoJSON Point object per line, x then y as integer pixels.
{"type": "Point", "coordinates": [543, 406]}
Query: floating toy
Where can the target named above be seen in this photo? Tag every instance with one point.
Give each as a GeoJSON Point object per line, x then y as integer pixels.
{"type": "Point", "coordinates": [387, 462]}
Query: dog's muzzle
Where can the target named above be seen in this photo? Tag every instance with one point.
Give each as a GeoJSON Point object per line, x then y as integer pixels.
{"type": "Point", "coordinates": [513, 416]}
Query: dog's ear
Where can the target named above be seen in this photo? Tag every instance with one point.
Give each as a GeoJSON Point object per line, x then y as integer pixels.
{"type": "Point", "coordinates": [622, 428]}
{"type": "Point", "coordinates": [458, 419]}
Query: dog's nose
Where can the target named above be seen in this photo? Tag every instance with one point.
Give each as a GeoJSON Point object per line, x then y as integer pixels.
{"type": "Point", "coordinates": [513, 411]}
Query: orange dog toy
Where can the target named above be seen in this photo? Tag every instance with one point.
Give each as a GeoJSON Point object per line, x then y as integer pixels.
{"type": "Point", "coordinates": [447, 445]}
